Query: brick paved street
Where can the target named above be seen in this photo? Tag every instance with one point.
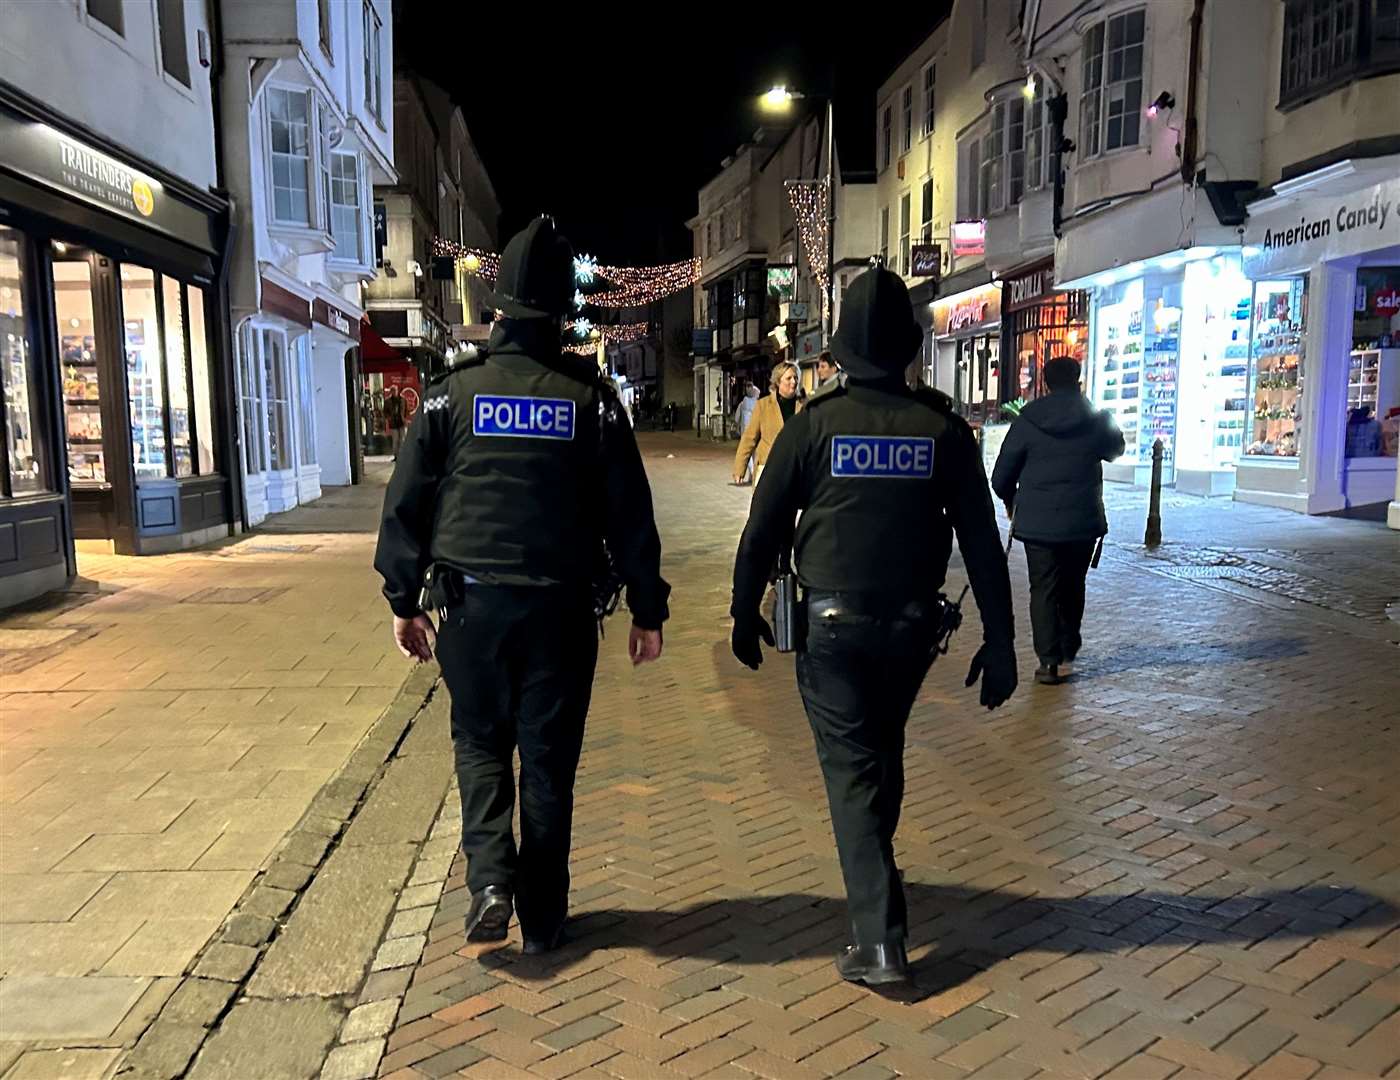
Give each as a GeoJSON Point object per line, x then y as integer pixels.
{"type": "Point", "coordinates": [1181, 865]}
{"type": "Point", "coordinates": [160, 734]}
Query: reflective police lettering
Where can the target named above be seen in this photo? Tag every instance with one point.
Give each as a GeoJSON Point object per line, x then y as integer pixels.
{"type": "Point", "coordinates": [893, 457]}
{"type": "Point", "coordinates": [523, 417]}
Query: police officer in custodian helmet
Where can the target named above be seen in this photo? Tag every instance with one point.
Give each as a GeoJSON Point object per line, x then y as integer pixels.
{"type": "Point", "coordinates": [518, 480]}
{"type": "Point", "coordinates": [882, 476]}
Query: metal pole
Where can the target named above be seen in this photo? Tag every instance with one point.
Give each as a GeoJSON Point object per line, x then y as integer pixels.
{"type": "Point", "coordinates": [1153, 537]}
{"type": "Point", "coordinates": [830, 220]}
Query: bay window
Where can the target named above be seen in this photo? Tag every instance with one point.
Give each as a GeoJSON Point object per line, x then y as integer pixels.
{"type": "Point", "coordinates": [343, 198]}
{"type": "Point", "coordinates": [289, 125]}
{"type": "Point", "coordinates": [1328, 44]}
{"type": "Point", "coordinates": [1110, 102]}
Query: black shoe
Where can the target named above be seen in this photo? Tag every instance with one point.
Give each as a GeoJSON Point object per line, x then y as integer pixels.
{"type": "Point", "coordinates": [1049, 675]}
{"type": "Point", "coordinates": [874, 965]}
{"type": "Point", "coordinates": [490, 914]}
{"type": "Point", "coordinates": [538, 945]}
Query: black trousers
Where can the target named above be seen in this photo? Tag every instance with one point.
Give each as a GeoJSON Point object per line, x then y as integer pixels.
{"type": "Point", "coordinates": [858, 676]}
{"type": "Point", "coordinates": [518, 663]}
{"type": "Point", "coordinates": [1057, 573]}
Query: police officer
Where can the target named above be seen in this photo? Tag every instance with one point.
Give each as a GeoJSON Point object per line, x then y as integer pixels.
{"type": "Point", "coordinates": [518, 469]}
{"type": "Point", "coordinates": [883, 476]}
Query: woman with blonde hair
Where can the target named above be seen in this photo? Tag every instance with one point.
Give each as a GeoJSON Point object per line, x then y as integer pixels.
{"type": "Point", "coordinates": [768, 418]}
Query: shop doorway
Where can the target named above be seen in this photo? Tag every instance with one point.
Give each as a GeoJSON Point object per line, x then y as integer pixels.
{"type": "Point", "coordinates": [94, 408]}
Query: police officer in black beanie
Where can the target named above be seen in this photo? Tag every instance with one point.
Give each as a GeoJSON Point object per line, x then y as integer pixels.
{"type": "Point", "coordinates": [517, 474]}
{"type": "Point", "coordinates": [882, 476]}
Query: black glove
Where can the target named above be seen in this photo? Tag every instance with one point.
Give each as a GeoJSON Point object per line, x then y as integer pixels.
{"type": "Point", "coordinates": [744, 640]}
{"type": "Point", "coordinates": [995, 665]}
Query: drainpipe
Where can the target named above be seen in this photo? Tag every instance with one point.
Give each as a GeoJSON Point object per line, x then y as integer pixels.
{"type": "Point", "coordinates": [1059, 109]}
{"type": "Point", "coordinates": [1190, 135]}
{"type": "Point", "coordinates": [232, 445]}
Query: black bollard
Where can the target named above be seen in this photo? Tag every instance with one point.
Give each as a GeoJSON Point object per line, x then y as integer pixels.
{"type": "Point", "coordinates": [1153, 537]}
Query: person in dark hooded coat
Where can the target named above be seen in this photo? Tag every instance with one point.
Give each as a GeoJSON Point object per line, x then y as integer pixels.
{"type": "Point", "coordinates": [883, 477]}
{"type": "Point", "coordinates": [1050, 475]}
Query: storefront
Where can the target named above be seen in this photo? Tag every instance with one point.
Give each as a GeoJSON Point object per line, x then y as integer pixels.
{"type": "Point", "coordinates": [1324, 367]}
{"type": "Point", "coordinates": [1167, 359]}
{"type": "Point", "coordinates": [385, 375]}
{"type": "Point", "coordinates": [1039, 322]}
{"type": "Point", "coordinates": [294, 368]}
{"type": "Point", "coordinates": [966, 360]}
{"type": "Point", "coordinates": [115, 381]}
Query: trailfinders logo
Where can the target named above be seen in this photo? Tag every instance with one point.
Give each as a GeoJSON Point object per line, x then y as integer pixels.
{"type": "Point", "coordinates": [1374, 216]}
{"type": "Point", "coordinates": [102, 178]}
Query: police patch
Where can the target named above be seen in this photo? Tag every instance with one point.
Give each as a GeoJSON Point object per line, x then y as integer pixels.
{"type": "Point", "coordinates": [889, 457]}
{"type": "Point", "coordinates": [523, 417]}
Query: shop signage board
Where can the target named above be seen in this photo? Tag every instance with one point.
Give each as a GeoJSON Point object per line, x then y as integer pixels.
{"type": "Point", "coordinates": [809, 345]}
{"type": "Point", "coordinates": [1029, 289]}
{"type": "Point", "coordinates": [328, 314]}
{"type": "Point", "coordinates": [1311, 231]}
{"type": "Point", "coordinates": [967, 312]}
{"type": "Point", "coordinates": [926, 260]}
{"type": "Point", "coordinates": [277, 300]}
{"type": "Point", "coordinates": [702, 340]}
{"type": "Point", "coordinates": [969, 238]}
{"type": "Point", "coordinates": [46, 155]}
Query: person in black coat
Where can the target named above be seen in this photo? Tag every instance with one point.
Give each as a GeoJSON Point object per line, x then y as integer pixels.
{"type": "Point", "coordinates": [1050, 475]}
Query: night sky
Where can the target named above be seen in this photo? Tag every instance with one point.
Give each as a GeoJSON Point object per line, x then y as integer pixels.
{"type": "Point", "coordinates": [613, 125]}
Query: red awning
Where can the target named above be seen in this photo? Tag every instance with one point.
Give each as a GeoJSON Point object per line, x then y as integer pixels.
{"type": "Point", "coordinates": [375, 351]}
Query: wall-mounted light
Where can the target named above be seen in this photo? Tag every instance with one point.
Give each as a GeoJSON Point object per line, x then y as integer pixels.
{"type": "Point", "coordinates": [389, 270]}
{"type": "Point", "coordinates": [1029, 89]}
{"type": "Point", "coordinates": [1163, 102]}
{"type": "Point", "coordinates": [415, 268]}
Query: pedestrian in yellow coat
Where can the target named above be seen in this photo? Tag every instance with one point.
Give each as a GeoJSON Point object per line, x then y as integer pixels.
{"type": "Point", "coordinates": [768, 418]}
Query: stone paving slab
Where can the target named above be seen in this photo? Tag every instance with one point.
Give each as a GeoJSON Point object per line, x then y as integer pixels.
{"type": "Point", "coordinates": [1183, 864]}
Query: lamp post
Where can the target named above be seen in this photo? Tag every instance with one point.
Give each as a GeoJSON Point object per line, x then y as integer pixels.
{"type": "Point", "coordinates": [779, 99]}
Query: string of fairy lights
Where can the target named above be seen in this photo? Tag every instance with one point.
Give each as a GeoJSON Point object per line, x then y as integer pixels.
{"type": "Point", "coordinates": [809, 207]}
{"type": "Point", "coordinates": [630, 286]}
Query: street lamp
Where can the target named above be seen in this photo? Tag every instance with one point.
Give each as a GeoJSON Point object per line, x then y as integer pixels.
{"type": "Point", "coordinates": [779, 99]}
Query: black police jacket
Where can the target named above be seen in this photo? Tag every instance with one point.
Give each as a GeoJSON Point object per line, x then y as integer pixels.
{"type": "Point", "coordinates": [882, 476]}
{"type": "Point", "coordinates": [505, 476]}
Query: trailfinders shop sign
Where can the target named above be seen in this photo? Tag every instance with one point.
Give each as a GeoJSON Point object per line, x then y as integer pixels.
{"type": "Point", "coordinates": [1296, 236]}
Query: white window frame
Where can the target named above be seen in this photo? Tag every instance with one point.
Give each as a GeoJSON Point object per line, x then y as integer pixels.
{"type": "Point", "coordinates": [929, 82]}
{"type": "Point", "coordinates": [304, 406]}
{"type": "Point", "coordinates": [886, 135]}
{"type": "Point", "coordinates": [926, 223]}
{"type": "Point", "coordinates": [885, 235]}
{"type": "Point", "coordinates": [286, 400]}
{"type": "Point", "coordinates": [252, 401]}
{"type": "Point", "coordinates": [1096, 100]}
{"type": "Point", "coordinates": [316, 215]}
{"type": "Point", "coordinates": [906, 228]}
{"type": "Point", "coordinates": [906, 119]}
{"type": "Point", "coordinates": [362, 225]}
{"type": "Point", "coordinates": [970, 205]}
{"type": "Point", "coordinates": [373, 31]}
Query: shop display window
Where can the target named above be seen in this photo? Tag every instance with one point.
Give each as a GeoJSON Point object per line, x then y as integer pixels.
{"type": "Point", "coordinates": [1057, 327]}
{"type": "Point", "coordinates": [977, 386]}
{"type": "Point", "coordinates": [82, 383]}
{"type": "Point", "coordinates": [19, 384]}
{"type": "Point", "coordinates": [1215, 364]}
{"type": "Point", "coordinates": [145, 384]}
{"type": "Point", "coordinates": [176, 380]}
{"type": "Point", "coordinates": [202, 380]}
{"type": "Point", "coordinates": [1277, 365]}
{"type": "Point", "coordinates": [306, 402]}
{"type": "Point", "coordinates": [1161, 348]}
{"type": "Point", "coordinates": [1373, 373]}
{"type": "Point", "coordinates": [278, 400]}
{"type": "Point", "coordinates": [1119, 363]}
